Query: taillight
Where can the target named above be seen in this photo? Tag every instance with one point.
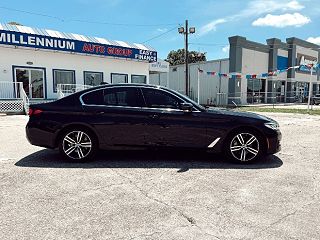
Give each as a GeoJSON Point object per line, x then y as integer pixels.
{"type": "Point", "coordinates": [34, 112]}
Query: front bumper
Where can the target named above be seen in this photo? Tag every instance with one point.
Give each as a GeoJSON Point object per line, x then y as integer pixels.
{"type": "Point", "coordinates": [274, 143]}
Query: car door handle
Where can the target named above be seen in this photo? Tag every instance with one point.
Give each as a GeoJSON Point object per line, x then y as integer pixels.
{"type": "Point", "coordinates": [154, 116]}
{"type": "Point", "coordinates": [100, 112]}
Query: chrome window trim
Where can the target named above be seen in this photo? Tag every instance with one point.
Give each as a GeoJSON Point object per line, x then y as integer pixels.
{"type": "Point", "coordinates": [128, 107]}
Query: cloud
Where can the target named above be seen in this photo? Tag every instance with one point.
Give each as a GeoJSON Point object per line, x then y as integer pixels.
{"type": "Point", "coordinates": [315, 40]}
{"type": "Point", "coordinates": [254, 8]}
{"type": "Point", "coordinates": [211, 26]}
{"type": "Point", "coordinates": [267, 6]}
{"type": "Point", "coordinates": [226, 48]}
{"type": "Point", "coordinates": [281, 21]}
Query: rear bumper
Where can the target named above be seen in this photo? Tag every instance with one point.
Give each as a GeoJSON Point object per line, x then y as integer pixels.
{"type": "Point", "coordinates": [39, 137]}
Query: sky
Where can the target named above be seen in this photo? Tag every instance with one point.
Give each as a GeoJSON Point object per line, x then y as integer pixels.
{"type": "Point", "coordinates": [155, 23]}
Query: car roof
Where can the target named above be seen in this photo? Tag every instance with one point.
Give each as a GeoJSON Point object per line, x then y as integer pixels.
{"type": "Point", "coordinates": [124, 85]}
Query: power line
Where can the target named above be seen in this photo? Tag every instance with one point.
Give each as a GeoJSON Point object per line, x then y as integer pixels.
{"type": "Point", "coordinates": [209, 44]}
{"type": "Point", "coordinates": [87, 21]}
{"type": "Point", "coordinates": [124, 24]}
{"type": "Point", "coordinates": [170, 30]}
{"type": "Point", "coordinates": [32, 13]}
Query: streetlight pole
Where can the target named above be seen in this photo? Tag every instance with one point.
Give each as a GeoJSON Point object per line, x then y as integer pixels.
{"type": "Point", "coordinates": [185, 31]}
{"type": "Point", "coordinates": [186, 58]}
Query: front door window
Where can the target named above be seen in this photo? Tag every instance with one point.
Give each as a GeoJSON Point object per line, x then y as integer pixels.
{"type": "Point", "coordinates": [32, 81]}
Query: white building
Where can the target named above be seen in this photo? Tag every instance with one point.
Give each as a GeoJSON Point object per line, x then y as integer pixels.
{"type": "Point", "coordinates": [254, 64]}
{"type": "Point", "coordinates": [41, 59]}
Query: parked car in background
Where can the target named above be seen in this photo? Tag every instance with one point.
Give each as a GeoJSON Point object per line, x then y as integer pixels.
{"type": "Point", "coordinates": [122, 116]}
{"type": "Point", "coordinates": [316, 99]}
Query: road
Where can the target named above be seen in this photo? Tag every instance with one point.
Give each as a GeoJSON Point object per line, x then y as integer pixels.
{"type": "Point", "coordinates": [161, 195]}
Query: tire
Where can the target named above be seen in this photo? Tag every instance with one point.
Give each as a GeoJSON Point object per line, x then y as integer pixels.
{"type": "Point", "coordinates": [78, 145]}
{"type": "Point", "coordinates": [244, 146]}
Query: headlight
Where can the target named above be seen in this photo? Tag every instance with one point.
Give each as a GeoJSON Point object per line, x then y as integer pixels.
{"type": "Point", "coordinates": [272, 125]}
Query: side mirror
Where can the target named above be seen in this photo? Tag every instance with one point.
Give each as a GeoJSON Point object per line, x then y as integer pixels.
{"type": "Point", "coordinates": [186, 107]}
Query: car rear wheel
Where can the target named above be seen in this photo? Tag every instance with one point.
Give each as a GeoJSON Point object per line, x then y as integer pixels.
{"type": "Point", "coordinates": [78, 145]}
{"type": "Point", "coordinates": [244, 146]}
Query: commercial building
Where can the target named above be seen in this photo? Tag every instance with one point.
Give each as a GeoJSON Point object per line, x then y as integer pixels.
{"type": "Point", "coordinates": [261, 71]}
{"type": "Point", "coordinates": [41, 59]}
{"type": "Point", "coordinates": [37, 61]}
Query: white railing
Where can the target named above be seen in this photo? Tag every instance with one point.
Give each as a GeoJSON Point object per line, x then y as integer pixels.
{"type": "Point", "coordinates": [13, 97]}
{"type": "Point", "coordinates": [241, 98]}
{"type": "Point", "coordinates": [221, 99]}
{"type": "Point", "coordinates": [67, 89]}
{"type": "Point", "coordinates": [25, 99]}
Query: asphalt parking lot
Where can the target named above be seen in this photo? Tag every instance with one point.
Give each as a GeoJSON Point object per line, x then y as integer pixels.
{"type": "Point", "coordinates": [161, 195]}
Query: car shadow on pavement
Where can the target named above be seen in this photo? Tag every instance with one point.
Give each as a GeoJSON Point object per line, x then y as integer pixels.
{"type": "Point", "coordinates": [181, 160]}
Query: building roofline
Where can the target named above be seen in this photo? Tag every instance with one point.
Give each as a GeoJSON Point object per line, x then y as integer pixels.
{"type": "Point", "coordinates": [243, 42]}
{"type": "Point", "coordinates": [71, 36]}
{"type": "Point", "coordinates": [203, 62]}
{"type": "Point", "coordinates": [302, 43]}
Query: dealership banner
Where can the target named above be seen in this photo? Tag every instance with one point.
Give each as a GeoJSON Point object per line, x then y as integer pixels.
{"type": "Point", "coordinates": [74, 46]}
{"type": "Point", "coordinates": [304, 61]}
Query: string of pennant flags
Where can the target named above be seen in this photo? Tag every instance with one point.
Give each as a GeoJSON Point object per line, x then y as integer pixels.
{"type": "Point", "coordinates": [261, 75]}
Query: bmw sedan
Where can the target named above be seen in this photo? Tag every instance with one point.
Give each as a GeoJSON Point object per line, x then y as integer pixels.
{"type": "Point", "coordinates": [125, 116]}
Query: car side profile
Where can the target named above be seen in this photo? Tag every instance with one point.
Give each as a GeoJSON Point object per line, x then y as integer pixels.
{"type": "Point", "coordinates": [125, 116]}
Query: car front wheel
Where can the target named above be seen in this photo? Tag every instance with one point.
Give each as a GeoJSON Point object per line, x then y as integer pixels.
{"type": "Point", "coordinates": [78, 145]}
{"type": "Point", "coordinates": [244, 146]}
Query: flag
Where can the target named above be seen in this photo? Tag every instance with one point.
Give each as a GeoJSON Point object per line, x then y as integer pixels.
{"type": "Point", "coordinates": [211, 73]}
{"type": "Point", "coordinates": [235, 76]}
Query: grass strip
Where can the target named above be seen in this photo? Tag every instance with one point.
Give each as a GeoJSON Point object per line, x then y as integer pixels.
{"type": "Point", "coordinates": [280, 110]}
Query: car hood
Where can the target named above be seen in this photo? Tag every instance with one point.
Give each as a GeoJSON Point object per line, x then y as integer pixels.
{"type": "Point", "coordinates": [235, 113]}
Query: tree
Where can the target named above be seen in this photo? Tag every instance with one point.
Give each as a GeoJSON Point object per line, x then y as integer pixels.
{"type": "Point", "coordinates": [15, 23]}
{"type": "Point", "coordinates": [177, 57]}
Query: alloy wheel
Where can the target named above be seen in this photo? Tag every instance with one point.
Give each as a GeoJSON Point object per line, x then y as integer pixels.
{"type": "Point", "coordinates": [77, 145]}
{"type": "Point", "coordinates": [244, 147]}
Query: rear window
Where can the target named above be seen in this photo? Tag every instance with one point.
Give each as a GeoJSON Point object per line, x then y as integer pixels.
{"type": "Point", "coordinates": [93, 98]}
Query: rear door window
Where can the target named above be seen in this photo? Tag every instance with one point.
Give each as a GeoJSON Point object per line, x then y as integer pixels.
{"type": "Point", "coordinates": [123, 96]}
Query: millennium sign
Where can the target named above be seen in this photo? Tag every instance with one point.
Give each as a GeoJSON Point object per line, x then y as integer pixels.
{"type": "Point", "coordinates": [75, 46]}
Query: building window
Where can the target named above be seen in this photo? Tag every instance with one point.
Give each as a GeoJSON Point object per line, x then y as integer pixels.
{"type": "Point", "coordinates": [63, 77]}
{"type": "Point", "coordinates": [138, 79]}
{"type": "Point", "coordinates": [93, 78]}
{"type": "Point", "coordinates": [119, 78]}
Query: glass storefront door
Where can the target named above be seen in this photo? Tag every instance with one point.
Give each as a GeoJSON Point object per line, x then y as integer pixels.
{"type": "Point", "coordinates": [256, 90]}
{"type": "Point", "coordinates": [32, 80]}
{"type": "Point", "coordinates": [281, 91]}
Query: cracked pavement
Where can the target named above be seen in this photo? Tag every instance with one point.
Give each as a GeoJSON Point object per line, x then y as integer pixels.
{"type": "Point", "coordinates": [161, 194]}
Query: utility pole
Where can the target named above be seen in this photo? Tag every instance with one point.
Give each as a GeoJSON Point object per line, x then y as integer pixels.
{"type": "Point", "coordinates": [310, 87]}
{"type": "Point", "coordinates": [185, 31]}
